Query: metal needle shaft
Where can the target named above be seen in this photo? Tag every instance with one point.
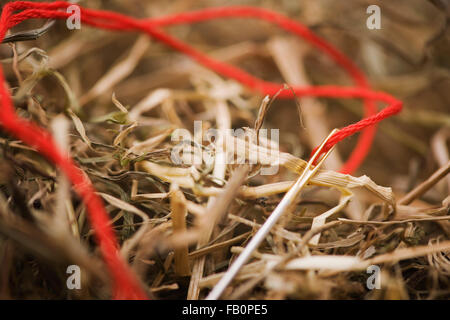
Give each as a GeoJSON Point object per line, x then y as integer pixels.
{"type": "Point", "coordinates": [284, 205]}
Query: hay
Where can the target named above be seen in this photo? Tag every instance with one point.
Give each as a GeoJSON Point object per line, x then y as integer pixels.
{"type": "Point", "coordinates": [181, 226]}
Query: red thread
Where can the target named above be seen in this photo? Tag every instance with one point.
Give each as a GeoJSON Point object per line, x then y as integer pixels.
{"type": "Point", "coordinates": [126, 286]}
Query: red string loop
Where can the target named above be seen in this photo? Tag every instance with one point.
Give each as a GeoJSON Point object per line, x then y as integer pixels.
{"type": "Point", "coordinates": [126, 285]}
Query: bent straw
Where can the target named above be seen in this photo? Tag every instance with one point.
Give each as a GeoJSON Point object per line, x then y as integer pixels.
{"type": "Point", "coordinates": [284, 205]}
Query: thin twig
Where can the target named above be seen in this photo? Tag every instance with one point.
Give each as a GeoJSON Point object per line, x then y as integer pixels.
{"type": "Point", "coordinates": [426, 185]}
{"type": "Point", "coordinates": [179, 212]}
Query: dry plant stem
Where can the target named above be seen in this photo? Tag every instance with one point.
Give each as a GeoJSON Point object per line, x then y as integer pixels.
{"type": "Point", "coordinates": [15, 64]}
{"type": "Point", "coordinates": [132, 242]}
{"type": "Point", "coordinates": [152, 100]}
{"type": "Point", "coordinates": [181, 69]}
{"type": "Point", "coordinates": [76, 46]}
{"type": "Point", "coordinates": [305, 240]}
{"type": "Point", "coordinates": [314, 231]}
{"type": "Point", "coordinates": [80, 128]}
{"type": "Point", "coordinates": [147, 247]}
{"type": "Point", "coordinates": [173, 286]}
{"type": "Point", "coordinates": [320, 220]}
{"type": "Point", "coordinates": [162, 273]}
{"type": "Point", "coordinates": [348, 263]}
{"type": "Point", "coordinates": [246, 287]}
{"type": "Point", "coordinates": [288, 56]}
{"type": "Point", "coordinates": [220, 205]}
{"type": "Point", "coordinates": [120, 71]}
{"type": "Point", "coordinates": [408, 253]}
{"type": "Point", "coordinates": [426, 185]}
{"type": "Point", "coordinates": [265, 104]}
{"type": "Point", "coordinates": [24, 55]}
{"type": "Point", "coordinates": [64, 215]}
{"type": "Point", "coordinates": [248, 271]}
{"type": "Point", "coordinates": [303, 243]}
{"type": "Point", "coordinates": [207, 223]}
{"type": "Point", "coordinates": [179, 212]}
{"type": "Point", "coordinates": [223, 120]}
{"type": "Point", "coordinates": [440, 150]}
{"type": "Point", "coordinates": [284, 205]}
{"type": "Point", "coordinates": [327, 178]}
{"type": "Point", "coordinates": [168, 107]}
{"type": "Point", "coordinates": [217, 246]}
{"type": "Point", "coordinates": [280, 232]}
{"type": "Point", "coordinates": [148, 145]}
{"type": "Point", "coordinates": [253, 267]}
{"type": "Point", "coordinates": [443, 218]}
